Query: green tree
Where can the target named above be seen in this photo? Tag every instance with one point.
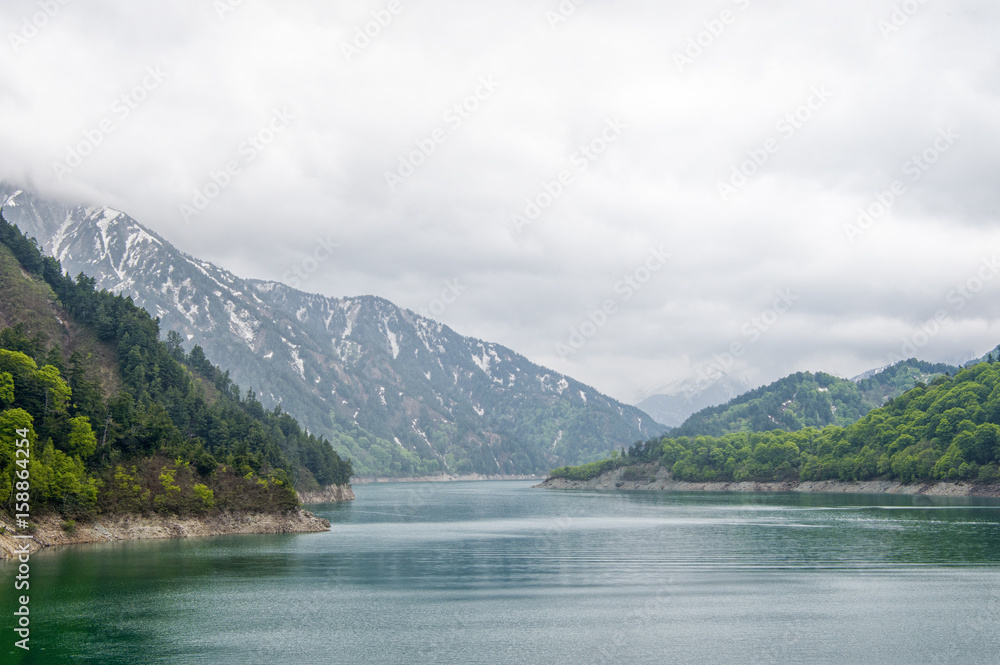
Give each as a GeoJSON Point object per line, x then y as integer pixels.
{"type": "Point", "coordinates": [6, 388]}
{"type": "Point", "coordinates": [81, 441]}
{"type": "Point", "coordinates": [13, 421]}
{"type": "Point", "coordinates": [58, 391]}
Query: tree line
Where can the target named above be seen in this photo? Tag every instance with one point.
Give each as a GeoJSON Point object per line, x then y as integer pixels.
{"type": "Point", "coordinates": [947, 430]}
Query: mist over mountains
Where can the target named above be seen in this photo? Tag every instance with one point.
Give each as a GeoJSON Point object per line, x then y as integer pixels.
{"type": "Point", "coordinates": [674, 402]}
{"type": "Point", "coordinates": [399, 393]}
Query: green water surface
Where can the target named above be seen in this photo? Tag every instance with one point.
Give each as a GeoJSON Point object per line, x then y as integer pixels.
{"type": "Point", "coordinates": [497, 572]}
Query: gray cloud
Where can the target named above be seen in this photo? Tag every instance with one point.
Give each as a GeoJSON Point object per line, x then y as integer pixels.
{"type": "Point", "coordinates": [322, 178]}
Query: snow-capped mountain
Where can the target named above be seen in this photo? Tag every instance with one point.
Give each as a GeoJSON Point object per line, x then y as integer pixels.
{"type": "Point", "coordinates": [400, 393]}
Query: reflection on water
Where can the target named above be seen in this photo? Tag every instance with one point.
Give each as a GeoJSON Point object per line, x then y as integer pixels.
{"type": "Point", "coordinates": [502, 573]}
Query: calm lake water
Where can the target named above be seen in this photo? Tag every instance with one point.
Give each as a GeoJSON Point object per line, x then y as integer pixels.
{"type": "Point", "coordinates": [501, 573]}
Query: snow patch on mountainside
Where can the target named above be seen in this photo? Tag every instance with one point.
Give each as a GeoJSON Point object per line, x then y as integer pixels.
{"type": "Point", "coordinates": [60, 237]}
{"type": "Point", "coordinates": [391, 338]}
{"type": "Point", "coordinates": [351, 311]}
{"type": "Point", "coordinates": [137, 236]}
{"type": "Point", "coordinates": [300, 365]}
{"type": "Point", "coordinates": [202, 268]}
{"type": "Point", "coordinates": [190, 311]}
{"type": "Point", "coordinates": [266, 287]}
{"type": "Point", "coordinates": [483, 361]}
{"type": "Point", "coordinates": [103, 224]}
{"type": "Point", "coordinates": [11, 200]}
{"type": "Point", "coordinates": [240, 323]}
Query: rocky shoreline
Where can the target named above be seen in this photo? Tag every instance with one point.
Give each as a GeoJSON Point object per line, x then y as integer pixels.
{"type": "Point", "coordinates": [331, 494]}
{"type": "Point", "coordinates": [444, 478]}
{"type": "Point", "coordinates": [49, 529]}
{"type": "Point", "coordinates": [662, 481]}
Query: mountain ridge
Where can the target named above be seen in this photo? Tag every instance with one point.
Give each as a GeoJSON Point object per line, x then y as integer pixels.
{"type": "Point", "coordinates": [399, 393]}
{"type": "Point", "coordinates": [807, 399]}
{"type": "Point", "coordinates": [119, 421]}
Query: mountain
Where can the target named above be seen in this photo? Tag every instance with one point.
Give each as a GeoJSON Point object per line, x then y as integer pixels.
{"type": "Point", "coordinates": [116, 421]}
{"type": "Point", "coordinates": [805, 400]}
{"type": "Point", "coordinates": [948, 430]}
{"type": "Point", "coordinates": [401, 394]}
{"type": "Point", "coordinates": [985, 358]}
{"type": "Point", "coordinates": [678, 401]}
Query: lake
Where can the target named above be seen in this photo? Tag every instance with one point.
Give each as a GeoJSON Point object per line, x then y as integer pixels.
{"type": "Point", "coordinates": [497, 572]}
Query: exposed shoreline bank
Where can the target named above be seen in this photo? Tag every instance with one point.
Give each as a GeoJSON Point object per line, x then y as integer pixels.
{"type": "Point", "coordinates": [663, 482]}
{"type": "Point", "coordinates": [49, 530]}
{"type": "Point", "coordinates": [444, 478]}
{"type": "Point", "coordinates": [331, 494]}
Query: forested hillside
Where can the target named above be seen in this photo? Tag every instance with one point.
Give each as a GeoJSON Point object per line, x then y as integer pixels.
{"type": "Point", "coordinates": [805, 400]}
{"type": "Point", "coordinates": [948, 430]}
{"type": "Point", "coordinates": [121, 422]}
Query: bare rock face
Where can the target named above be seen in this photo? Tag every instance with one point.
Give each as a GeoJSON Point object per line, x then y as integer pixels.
{"type": "Point", "coordinates": [331, 494]}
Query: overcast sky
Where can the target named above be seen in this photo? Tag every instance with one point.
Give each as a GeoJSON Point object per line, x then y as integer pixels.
{"type": "Point", "coordinates": [412, 151]}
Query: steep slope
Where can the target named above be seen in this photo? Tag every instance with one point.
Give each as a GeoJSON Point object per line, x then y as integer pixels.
{"type": "Point", "coordinates": [168, 433]}
{"type": "Point", "coordinates": [805, 400]}
{"type": "Point", "coordinates": [31, 304]}
{"type": "Point", "coordinates": [399, 393]}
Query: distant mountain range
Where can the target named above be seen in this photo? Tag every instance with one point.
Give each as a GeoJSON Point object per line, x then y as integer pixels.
{"type": "Point", "coordinates": [677, 401]}
{"type": "Point", "coordinates": [399, 393]}
{"type": "Point", "coordinates": [794, 402]}
{"type": "Point", "coordinates": [805, 399]}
